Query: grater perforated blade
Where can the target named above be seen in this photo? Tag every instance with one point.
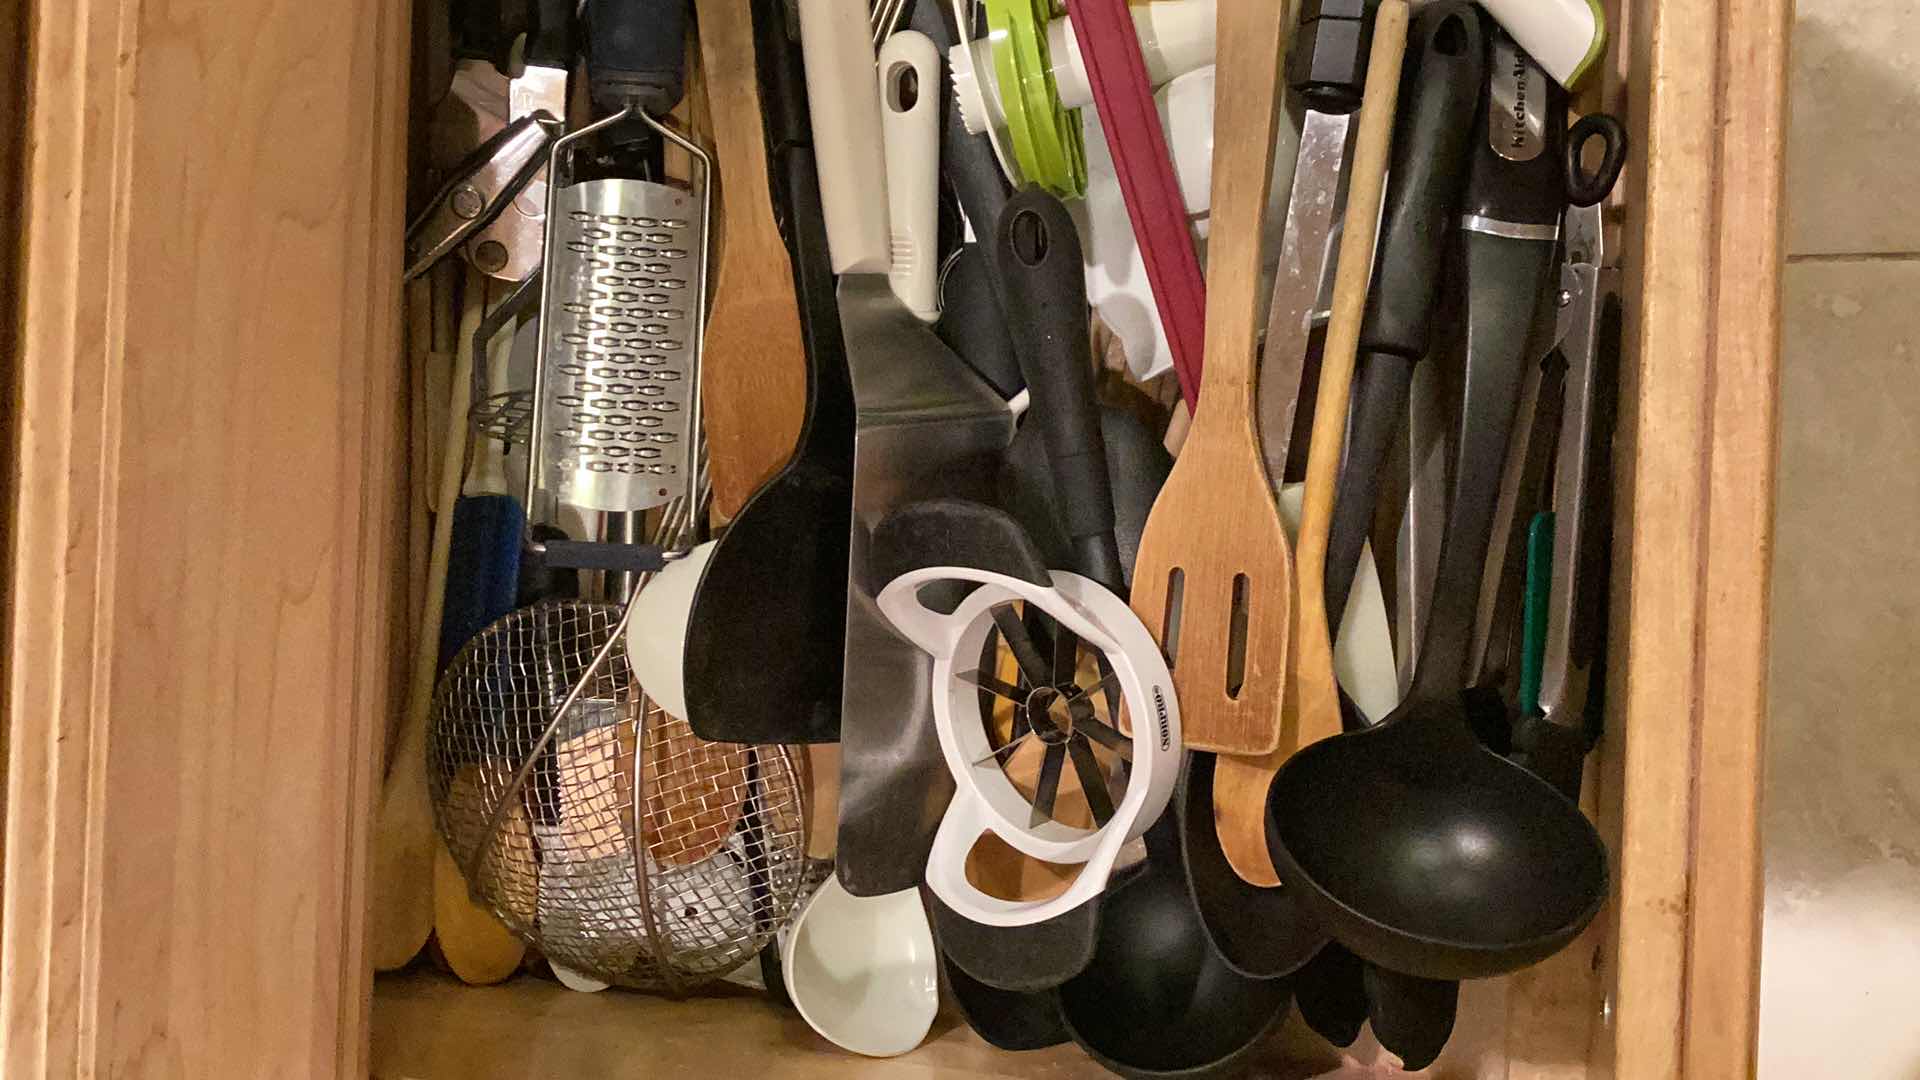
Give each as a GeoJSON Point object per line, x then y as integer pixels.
{"type": "Point", "coordinates": [621, 327]}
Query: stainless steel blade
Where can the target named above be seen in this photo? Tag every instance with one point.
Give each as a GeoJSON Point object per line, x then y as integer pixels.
{"type": "Point", "coordinates": [1311, 211]}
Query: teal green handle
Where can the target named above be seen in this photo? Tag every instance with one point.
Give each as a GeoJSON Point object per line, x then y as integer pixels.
{"type": "Point", "coordinates": [1533, 618]}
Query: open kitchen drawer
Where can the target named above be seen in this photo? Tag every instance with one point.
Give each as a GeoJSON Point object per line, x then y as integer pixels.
{"type": "Point", "coordinates": [206, 589]}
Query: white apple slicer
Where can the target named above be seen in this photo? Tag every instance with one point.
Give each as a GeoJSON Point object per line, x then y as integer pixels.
{"type": "Point", "coordinates": [1056, 716]}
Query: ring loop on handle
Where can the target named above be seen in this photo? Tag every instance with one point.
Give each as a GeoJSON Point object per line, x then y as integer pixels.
{"type": "Point", "coordinates": [1588, 188]}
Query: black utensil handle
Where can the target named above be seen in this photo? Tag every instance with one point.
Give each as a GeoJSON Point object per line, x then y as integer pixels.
{"type": "Point", "coordinates": [1584, 187]}
{"type": "Point", "coordinates": [1432, 138]}
{"type": "Point", "coordinates": [1327, 63]}
{"type": "Point", "coordinates": [1381, 384]}
{"type": "Point", "coordinates": [550, 39]}
{"type": "Point", "coordinates": [1038, 250]}
{"type": "Point", "coordinates": [1506, 279]}
{"type": "Point", "coordinates": [487, 29]}
{"type": "Point", "coordinates": [595, 555]}
{"type": "Point", "coordinates": [783, 80]}
{"type": "Point", "coordinates": [636, 54]}
{"type": "Point", "coordinates": [1517, 177]}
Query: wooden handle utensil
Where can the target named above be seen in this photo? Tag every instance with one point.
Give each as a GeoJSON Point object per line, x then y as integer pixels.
{"type": "Point", "coordinates": [1214, 578]}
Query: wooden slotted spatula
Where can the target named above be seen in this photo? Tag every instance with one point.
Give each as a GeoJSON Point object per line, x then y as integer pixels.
{"type": "Point", "coordinates": [1312, 706]}
{"type": "Point", "coordinates": [754, 369]}
{"type": "Point", "coordinates": [1214, 577]}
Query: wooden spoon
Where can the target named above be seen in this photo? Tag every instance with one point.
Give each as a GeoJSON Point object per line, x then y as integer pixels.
{"type": "Point", "coordinates": [1311, 708]}
{"type": "Point", "coordinates": [401, 916]}
{"type": "Point", "coordinates": [479, 949]}
{"type": "Point", "coordinates": [1214, 577]}
{"type": "Point", "coordinates": [754, 368]}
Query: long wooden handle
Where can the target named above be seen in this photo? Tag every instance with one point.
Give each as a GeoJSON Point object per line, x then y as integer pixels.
{"type": "Point", "coordinates": [1313, 637]}
{"type": "Point", "coordinates": [733, 103]}
{"type": "Point", "coordinates": [1251, 46]}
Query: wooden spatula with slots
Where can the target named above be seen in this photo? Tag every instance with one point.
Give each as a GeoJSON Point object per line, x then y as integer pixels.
{"type": "Point", "coordinates": [754, 369]}
{"type": "Point", "coordinates": [1214, 576]}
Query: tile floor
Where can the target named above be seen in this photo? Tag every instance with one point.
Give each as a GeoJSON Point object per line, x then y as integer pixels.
{"type": "Point", "coordinates": [1842, 934]}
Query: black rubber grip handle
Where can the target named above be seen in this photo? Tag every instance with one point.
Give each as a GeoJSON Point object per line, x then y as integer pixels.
{"type": "Point", "coordinates": [1432, 138]}
{"type": "Point", "coordinates": [1038, 251]}
{"type": "Point", "coordinates": [1327, 64]}
{"type": "Point", "coordinates": [636, 54]}
{"type": "Point", "coordinates": [1518, 170]}
{"type": "Point", "coordinates": [1380, 390]}
{"type": "Point", "coordinates": [550, 39]}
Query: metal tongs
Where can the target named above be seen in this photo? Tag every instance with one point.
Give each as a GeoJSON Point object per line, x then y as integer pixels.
{"type": "Point", "coordinates": [1553, 736]}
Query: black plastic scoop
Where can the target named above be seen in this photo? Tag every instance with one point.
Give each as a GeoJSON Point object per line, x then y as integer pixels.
{"type": "Point", "coordinates": [1413, 845]}
{"type": "Point", "coordinates": [1157, 1001]}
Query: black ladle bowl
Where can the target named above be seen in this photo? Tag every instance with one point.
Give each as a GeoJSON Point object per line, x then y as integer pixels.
{"type": "Point", "coordinates": [1428, 854]}
{"type": "Point", "coordinates": [1157, 1001]}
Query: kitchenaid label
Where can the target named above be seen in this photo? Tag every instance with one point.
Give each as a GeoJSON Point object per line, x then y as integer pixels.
{"type": "Point", "coordinates": [1160, 710]}
{"type": "Point", "coordinates": [1517, 118]}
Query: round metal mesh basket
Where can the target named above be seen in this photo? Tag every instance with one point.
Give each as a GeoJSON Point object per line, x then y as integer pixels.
{"type": "Point", "coordinates": [684, 891]}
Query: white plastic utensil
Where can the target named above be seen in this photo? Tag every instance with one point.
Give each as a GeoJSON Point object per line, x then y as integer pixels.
{"type": "Point", "coordinates": [657, 633]}
{"type": "Point", "coordinates": [836, 42]}
{"type": "Point", "coordinates": [862, 970]}
{"type": "Point", "coordinates": [986, 800]}
{"type": "Point", "coordinates": [910, 119]}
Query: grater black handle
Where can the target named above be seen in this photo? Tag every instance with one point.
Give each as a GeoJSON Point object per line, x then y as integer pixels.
{"type": "Point", "coordinates": [636, 54]}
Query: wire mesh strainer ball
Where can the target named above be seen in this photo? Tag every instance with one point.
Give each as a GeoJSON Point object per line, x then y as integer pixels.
{"type": "Point", "coordinates": [720, 824]}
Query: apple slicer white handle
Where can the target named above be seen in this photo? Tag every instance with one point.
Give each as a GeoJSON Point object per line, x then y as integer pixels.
{"type": "Point", "coordinates": [836, 44]}
{"type": "Point", "coordinates": [966, 821]}
{"type": "Point", "coordinates": [910, 119]}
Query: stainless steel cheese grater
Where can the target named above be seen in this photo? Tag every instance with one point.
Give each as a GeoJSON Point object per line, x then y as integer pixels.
{"type": "Point", "coordinates": [616, 420]}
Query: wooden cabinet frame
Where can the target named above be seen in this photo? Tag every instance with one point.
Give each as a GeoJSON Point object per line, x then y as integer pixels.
{"type": "Point", "coordinates": [208, 499]}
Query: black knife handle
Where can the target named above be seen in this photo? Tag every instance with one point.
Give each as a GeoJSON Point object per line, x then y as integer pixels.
{"type": "Point", "coordinates": [1432, 138]}
{"type": "Point", "coordinates": [1518, 170]}
{"type": "Point", "coordinates": [1327, 63]}
{"type": "Point", "coordinates": [1038, 251]}
{"type": "Point", "coordinates": [636, 54]}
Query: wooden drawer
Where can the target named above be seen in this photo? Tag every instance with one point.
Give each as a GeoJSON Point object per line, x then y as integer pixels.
{"type": "Point", "coordinates": [207, 603]}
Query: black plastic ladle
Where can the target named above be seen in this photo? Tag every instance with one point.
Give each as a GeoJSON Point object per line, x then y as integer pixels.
{"type": "Point", "coordinates": [1414, 846]}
